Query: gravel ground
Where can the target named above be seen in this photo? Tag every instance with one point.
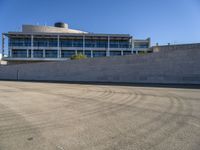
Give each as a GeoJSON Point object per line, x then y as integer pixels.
{"type": "Point", "coordinates": [51, 116]}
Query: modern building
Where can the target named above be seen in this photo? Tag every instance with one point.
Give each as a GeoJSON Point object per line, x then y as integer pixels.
{"type": "Point", "coordinates": [58, 42]}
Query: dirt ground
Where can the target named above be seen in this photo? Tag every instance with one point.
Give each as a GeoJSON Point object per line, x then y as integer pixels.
{"type": "Point", "coordinates": [52, 116]}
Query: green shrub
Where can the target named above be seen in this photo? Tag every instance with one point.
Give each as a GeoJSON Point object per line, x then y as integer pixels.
{"type": "Point", "coordinates": [78, 56]}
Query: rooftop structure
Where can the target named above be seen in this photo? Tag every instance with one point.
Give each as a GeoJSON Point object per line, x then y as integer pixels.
{"type": "Point", "coordinates": [59, 42]}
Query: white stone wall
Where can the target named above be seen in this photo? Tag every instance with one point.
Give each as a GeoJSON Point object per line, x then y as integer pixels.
{"type": "Point", "coordinates": [177, 65]}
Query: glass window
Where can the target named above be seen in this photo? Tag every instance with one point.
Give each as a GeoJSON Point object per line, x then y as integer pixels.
{"type": "Point", "coordinates": [66, 43]}
{"type": "Point", "coordinates": [141, 45]}
{"type": "Point", "coordinates": [38, 53]}
{"type": "Point", "coordinates": [77, 43]}
{"type": "Point", "coordinates": [124, 44]}
{"type": "Point", "coordinates": [114, 44]}
{"type": "Point", "coordinates": [16, 42]}
{"type": "Point", "coordinates": [17, 53]}
{"type": "Point", "coordinates": [51, 53]}
{"type": "Point", "coordinates": [40, 42]}
{"type": "Point", "coordinates": [67, 53]}
{"type": "Point", "coordinates": [27, 42]}
{"type": "Point", "coordinates": [101, 44]}
{"type": "Point", "coordinates": [80, 52]}
{"type": "Point", "coordinates": [29, 53]}
{"type": "Point", "coordinates": [90, 43]}
{"type": "Point", "coordinates": [52, 43]}
{"type": "Point", "coordinates": [126, 52]}
{"type": "Point", "coordinates": [99, 53]}
{"type": "Point", "coordinates": [115, 53]}
{"type": "Point", "coordinates": [88, 53]}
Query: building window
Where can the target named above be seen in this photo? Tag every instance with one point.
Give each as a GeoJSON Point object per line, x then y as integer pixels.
{"type": "Point", "coordinates": [29, 53]}
{"type": "Point", "coordinates": [124, 44]}
{"type": "Point", "coordinates": [141, 45]}
{"type": "Point", "coordinates": [127, 53]}
{"type": "Point", "coordinates": [66, 43]}
{"type": "Point", "coordinates": [88, 53]}
{"type": "Point", "coordinates": [101, 44]}
{"type": "Point", "coordinates": [90, 43]}
{"type": "Point", "coordinates": [77, 43]}
{"type": "Point", "coordinates": [53, 43]}
{"type": "Point", "coordinates": [17, 53]}
{"type": "Point", "coordinates": [40, 42]}
{"type": "Point", "coordinates": [38, 53]}
{"type": "Point", "coordinates": [51, 53]}
{"type": "Point", "coordinates": [99, 53]}
{"type": "Point", "coordinates": [115, 53]}
{"type": "Point", "coordinates": [67, 53]}
{"type": "Point", "coordinates": [19, 42]}
{"type": "Point", "coordinates": [80, 52]}
{"type": "Point", "coordinates": [114, 44]}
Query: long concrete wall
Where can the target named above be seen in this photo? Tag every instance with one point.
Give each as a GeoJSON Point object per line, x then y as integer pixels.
{"type": "Point", "coordinates": [171, 64]}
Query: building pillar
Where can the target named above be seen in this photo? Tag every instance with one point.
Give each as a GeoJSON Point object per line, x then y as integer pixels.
{"type": "Point", "coordinates": [91, 54]}
{"type": "Point", "coordinates": [44, 53]}
{"type": "Point", "coordinates": [10, 52]}
{"type": "Point", "coordinates": [132, 45]}
{"type": "Point", "coordinates": [149, 42]}
{"type": "Point", "coordinates": [27, 53]}
{"type": "Point", "coordinates": [122, 53]}
{"type": "Point", "coordinates": [76, 52]}
{"type": "Point", "coordinates": [32, 44]}
{"type": "Point", "coordinates": [108, 50]}
{"type": "Point", "coordinates": [83, 44]}
{"type": "Point", "coordinates": [3, 42]}
{"type": "Point", "coordinates": [58, 46]}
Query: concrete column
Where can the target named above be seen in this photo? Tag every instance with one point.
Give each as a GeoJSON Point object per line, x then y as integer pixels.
{"type": "Point", "coordinates": [32, 45]}
{"type": "Point", "coordinates": [58, 46]}
{"type": "Point", "coordinates": [132, 45]}
{"type": "Point", "coordinates": [92, 54]}
{"type": "Point", "coordinates": [122, 53]}
{"type": "Point", "coordinates": [76, 52]}
{"type": "Point", "coordinates": [44, 53]}
{"type": "Point", "coordinates": [10, 52]}
{"type": "Point", "coordinates": [83, 44]}
{"type": "Point", "coordinates": [3, 42]}
{"type": "Point", "coordinates": [149, 40]}
{"type": "Point", "coordinates": [108, 50]}
{"type": "Point", "coordinates": [27, 53]}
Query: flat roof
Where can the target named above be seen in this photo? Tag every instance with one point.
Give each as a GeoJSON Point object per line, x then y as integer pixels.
{"type": "Point", "coordinates": [66, 34]}
{"type": "Point", "coordinates": [50, 35]}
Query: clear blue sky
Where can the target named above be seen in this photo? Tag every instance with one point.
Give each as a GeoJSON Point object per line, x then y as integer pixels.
{"type": "Point", "coordinates": [163, 20]}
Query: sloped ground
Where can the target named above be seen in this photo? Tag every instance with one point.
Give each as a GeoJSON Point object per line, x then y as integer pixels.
{"type": "Point", "coordinates": [46, 116]}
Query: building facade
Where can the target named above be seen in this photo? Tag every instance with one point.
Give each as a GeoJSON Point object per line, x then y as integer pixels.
{"type": "Point", "coordinates": [45, 43]}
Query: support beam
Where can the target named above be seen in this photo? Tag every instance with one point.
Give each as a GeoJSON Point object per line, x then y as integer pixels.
{"type": "Point", "coordinates": [108, 49]}
{"type": "Point", "coordinates": [27, 53]}
{"type": "Point", "coordinates": [44, 55]}
{"type": "Point", "coordinates": [132, 45]}
{"type": "Point", "coordinates": [3, 42]}
{"type": "Point", "coordinates": [10, 52]}
{"type": "Point", "coordinates": [122, 53]}
{"type": "Point", "coordinates": [58, 46]}
{"type": "Point", "coordinates": [83, 44]}
{"type": "Point", "coordinates": [92, 54]}
{"type": "Point", "coordinates": [32, 44]}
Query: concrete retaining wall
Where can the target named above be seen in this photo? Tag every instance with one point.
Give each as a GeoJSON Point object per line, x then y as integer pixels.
{"type": "Point", "coordinates": [172, 64]}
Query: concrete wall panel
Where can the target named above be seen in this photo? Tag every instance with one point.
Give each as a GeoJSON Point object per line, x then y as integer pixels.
{"type": "Point", "coordinates": [172, 64]}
